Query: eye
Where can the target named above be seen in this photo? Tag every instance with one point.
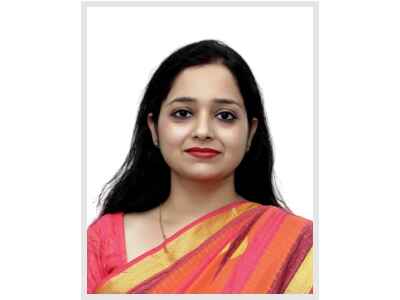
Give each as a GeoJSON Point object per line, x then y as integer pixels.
{"type": "Point", "coordinates": [181, 113]}
{"type": "Point", "coordinates": [227, 116]}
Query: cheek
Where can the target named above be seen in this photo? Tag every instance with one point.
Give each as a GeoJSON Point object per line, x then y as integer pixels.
{"type": "Point", "coordinates": [172, 134]}
{"type": "Point", "coordinates": [234, 138]}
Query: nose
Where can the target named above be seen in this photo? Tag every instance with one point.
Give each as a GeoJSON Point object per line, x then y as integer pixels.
{"type": "Point", "coordinates": [203, 128]}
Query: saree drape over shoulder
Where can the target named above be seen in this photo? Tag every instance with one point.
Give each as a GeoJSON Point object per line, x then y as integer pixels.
{"type": "Point", "coordinates": [244, 247]}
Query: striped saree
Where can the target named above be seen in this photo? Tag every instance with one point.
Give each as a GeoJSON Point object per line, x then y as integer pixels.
{"type": "Point", "coordinates": [243, 247]}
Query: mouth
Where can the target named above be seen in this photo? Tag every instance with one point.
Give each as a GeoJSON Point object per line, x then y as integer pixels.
{"type": "Point", "coordinates": [202, 152]}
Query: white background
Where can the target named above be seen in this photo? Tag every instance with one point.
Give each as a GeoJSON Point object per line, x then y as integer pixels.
{"type": "Point", "coordinates": [40, 149]}
{"type": "Point", "coordinates": [122, 53]}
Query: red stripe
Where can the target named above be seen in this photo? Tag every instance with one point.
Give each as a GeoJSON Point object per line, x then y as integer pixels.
{"type": "Point", "coordinates": [212, 253]}
{"type": "Point", "coordinates": [298, 253]}
{"type": "Point", "coordinates": [157, 280]}
{"type": "Point", "coordinates": [257, 248]}
{"type": "Point", "coordinates": [126, 265]}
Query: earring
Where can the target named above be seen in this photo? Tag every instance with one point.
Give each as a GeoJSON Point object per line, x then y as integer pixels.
{"type": "Point", "coordinates": [156, 144]}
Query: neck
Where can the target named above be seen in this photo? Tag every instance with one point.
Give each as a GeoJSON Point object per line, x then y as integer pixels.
{"type": "Point", "coordinates": [190, 199]}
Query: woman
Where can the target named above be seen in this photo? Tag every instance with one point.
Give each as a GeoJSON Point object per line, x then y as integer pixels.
{"type": "Point", "coordinates": [193, 207]}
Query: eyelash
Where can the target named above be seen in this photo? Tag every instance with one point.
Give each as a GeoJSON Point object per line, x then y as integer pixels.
{"type": "Point", "coordinates": [233, 117]}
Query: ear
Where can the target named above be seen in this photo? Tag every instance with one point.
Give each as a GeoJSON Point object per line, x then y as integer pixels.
{"type": "Point", "coordinates": [252, 131]}
{"type": "Point", "coordinates": [152, 127]}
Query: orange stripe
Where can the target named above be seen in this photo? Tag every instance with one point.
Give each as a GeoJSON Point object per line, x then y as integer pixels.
{"type": "Point", "coordinates": [272, 260]}
{"type": "Point", "coordinates": [216, 283]}
{"type": "Point", "coordinates": [205, 281]}
{"type": "Point", "coordinates": [145, 268]}
{"type": "Point", "coordinates": [270, 219]}
{"type": "Point", "coordinates": [179, 275]}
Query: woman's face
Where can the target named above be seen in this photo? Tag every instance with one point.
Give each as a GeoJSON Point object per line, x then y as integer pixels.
{"type": "Point", "coordinates": [205, 109]}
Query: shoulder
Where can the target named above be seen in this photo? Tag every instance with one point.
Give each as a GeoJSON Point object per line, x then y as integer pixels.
{"type": "Point", "coordinates": [288, 214]}
{"type": "Point", "coordinates": [290, 231]}
{"type": "Point", "coordinates": [299, 227]}
{"type": "Point", "coordinates": [289, 222]}
{"type": "Point", "coordinates": [103, 224]}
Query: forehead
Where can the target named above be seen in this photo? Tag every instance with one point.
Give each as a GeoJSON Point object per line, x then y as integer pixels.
{"type": "Point", "coordinates": [204, 83]}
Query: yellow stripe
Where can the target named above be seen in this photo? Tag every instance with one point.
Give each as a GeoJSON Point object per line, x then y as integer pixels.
{"type": "Point", "coordinates": [302, 281]}
{"type": "Point", "coordinates": [177, 248]}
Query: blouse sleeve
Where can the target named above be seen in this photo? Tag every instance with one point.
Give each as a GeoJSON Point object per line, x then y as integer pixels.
{"type": "Point", "coordinates": [94, 266]}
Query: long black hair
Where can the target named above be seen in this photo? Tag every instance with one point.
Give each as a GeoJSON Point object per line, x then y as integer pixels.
{"type": "Point", "coordinates": [143, 180]}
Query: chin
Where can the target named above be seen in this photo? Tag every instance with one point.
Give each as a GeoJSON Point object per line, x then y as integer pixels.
{"type": "Point", "coordinates": [204, 176]}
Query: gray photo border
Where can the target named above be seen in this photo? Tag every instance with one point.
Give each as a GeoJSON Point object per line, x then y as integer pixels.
{"type": "Point", "coordinates": [314, 4]}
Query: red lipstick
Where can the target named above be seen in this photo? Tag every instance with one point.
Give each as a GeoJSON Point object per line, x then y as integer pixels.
{"type": "Point", "coordinates": [202, 152]}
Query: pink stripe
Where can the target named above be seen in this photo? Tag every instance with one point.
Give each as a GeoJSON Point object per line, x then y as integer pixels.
{"type": "Point", "coordinates": [256, 249]}
{"type": "Point", "coordinates": [224, 232]}
{"type": "Point", "coordinates": [229, 233]}
{"type": "Point", "coordinates": [236, 242]}
{"type": "Point", "coordinates": [150, 252]}
{"type": "Point", "coordinates": [296, 256]}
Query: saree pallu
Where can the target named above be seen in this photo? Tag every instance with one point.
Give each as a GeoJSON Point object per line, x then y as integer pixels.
{"type": "Point", "coordinates": [244, 247]}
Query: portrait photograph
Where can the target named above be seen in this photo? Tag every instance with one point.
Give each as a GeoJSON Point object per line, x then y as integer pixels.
{"type": "Point", "coordinates": [200, 158]}
{"type": "Point", "coordinates": [199, 149]}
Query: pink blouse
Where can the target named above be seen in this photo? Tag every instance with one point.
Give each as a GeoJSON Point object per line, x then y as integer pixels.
{"type": "Point", "coordinates": [106, 248]}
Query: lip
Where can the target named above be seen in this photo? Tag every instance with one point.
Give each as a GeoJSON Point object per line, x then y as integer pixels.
{"type": "Point", "coordinates": [202, 152]}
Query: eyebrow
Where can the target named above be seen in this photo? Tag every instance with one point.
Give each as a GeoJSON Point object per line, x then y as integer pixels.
{"type": "Point", "coordinates": [216, 100]}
